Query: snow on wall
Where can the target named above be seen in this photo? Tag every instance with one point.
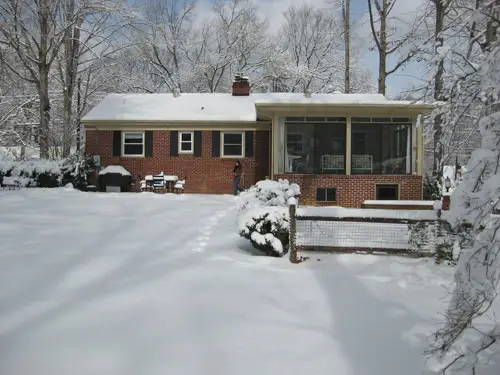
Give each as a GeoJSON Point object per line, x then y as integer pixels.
{"type": "Point", "coordinates": [341, 212]}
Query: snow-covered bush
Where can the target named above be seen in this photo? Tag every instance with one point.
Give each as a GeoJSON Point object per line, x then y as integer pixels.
{"type": "Point", "coordinates": [263, 215]}
{"type": "Point", "coordinates": [432, 190]}
{"type": "Point", "coordinates": [268, 193]}
{"type": "Point", "coordinates": [33, 173]}
{"type": "Point", "coordinates": [268, 229]}
{"type": "Point", "coordinates": [76, 169]}
{"type": "Point", "coordinates": [49, 173]}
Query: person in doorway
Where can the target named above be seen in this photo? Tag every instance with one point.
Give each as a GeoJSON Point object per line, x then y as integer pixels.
{"type": "Point", "coordinates": [237, 171]}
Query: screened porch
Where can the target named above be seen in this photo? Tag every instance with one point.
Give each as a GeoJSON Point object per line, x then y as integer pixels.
{"type": "Point", "coordinates": [321, 145]}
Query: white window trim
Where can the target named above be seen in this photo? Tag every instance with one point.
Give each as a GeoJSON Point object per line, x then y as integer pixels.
{"type": "Point", "coordinates": [143, 145]}
{"type": "Point", "coordinates": [242, 145]}
{"type": "Point", "coordinates": [180, 143]}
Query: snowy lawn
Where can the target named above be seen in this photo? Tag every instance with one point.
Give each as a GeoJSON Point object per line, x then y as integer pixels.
{"type": "Point", "coordinates": [162, 284]}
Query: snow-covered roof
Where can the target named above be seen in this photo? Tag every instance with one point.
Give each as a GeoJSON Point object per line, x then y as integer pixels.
{"type": "Point", "coordinates": [197, 107]}
{"type": "Point", "coordinates": [115, 169]}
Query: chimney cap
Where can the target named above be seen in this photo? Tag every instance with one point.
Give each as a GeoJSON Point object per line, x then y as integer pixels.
{"type": "Point", "coordinates": [239, 77]}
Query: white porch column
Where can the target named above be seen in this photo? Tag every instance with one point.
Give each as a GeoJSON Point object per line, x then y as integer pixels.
{"type": "Point", "coordinates": [348, 146]}
{"type": "Point", "coordinates": [278, 145]}
{"type": "Point", "coordinates": [415, 156]}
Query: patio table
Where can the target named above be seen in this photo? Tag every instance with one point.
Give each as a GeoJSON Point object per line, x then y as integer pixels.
{"type": "Point", "coordinates": [170, 180]}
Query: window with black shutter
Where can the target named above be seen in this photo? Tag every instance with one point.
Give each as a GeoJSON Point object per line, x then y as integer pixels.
{"type": "Point", "coordinates": [174, 143]}
{"type": "Point", "coordinates": [186, 142]}
{"type": "Point", "coordinates": [197, 143]}
{"type": "Point", "coordinates": [148, 144]}
{"type": "Point", "coordinates": [249, 144]}
{"type": "Point", "coordinates": [117, 143]}
{"type": "Point", "coordinates": [233, 144]}
{"type": "Point", "coordinates": [133, 144]}
{"type": "Point", "coordinates": [216, 143]}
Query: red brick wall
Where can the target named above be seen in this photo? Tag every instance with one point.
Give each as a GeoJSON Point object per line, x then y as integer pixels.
{"type": "Point", "coordinates": [205, 174]}
{"type": "Point", "coordinates": [353, 190]}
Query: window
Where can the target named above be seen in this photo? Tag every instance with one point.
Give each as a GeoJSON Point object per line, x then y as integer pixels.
{"type": "Point", "coordinates": [232, 145]}
{"type": "Point", "coordinates": [186, 142]}
{"type": "Point", "coordinates": [133, 144]}
{"type": "Point", "coordinates": [315, 148]}
{"type": "Point", "coordinates": [382, 147]}
{"type": "Point", "coordinates": [387, 192]}
{"type": "Point", "coordinates": [326, 195]}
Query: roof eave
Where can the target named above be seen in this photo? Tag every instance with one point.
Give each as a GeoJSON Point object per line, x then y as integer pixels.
{"type": "Point", "coordinates": [411, 107]}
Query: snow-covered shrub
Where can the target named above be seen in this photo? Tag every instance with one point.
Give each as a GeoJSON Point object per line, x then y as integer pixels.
{"type": "Point", "coordinates": [432, 189]}
{"type": "Point", "coordinates": [33, 173]}
{"type": "Point", "coordinates": [268, 229]}
{"type": "Point", "coordinates": [268, 193]}
{"type": "Point", "coordinates": [263, 215]}
{"type": "Point", "coordinates": [76, 169]}
{"type": "Point", "coordinates": [49, 173]}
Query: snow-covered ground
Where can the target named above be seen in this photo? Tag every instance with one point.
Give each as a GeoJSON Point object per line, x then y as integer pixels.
{"type": "Point", "coordinates": [162, 284]}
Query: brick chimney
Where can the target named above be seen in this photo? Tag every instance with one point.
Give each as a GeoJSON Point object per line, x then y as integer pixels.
{"type": "Point", "coordinates": [241, 85]}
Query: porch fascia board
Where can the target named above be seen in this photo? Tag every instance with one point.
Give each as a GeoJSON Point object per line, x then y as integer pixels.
{"type": "Point", "coordinates": [360, 110]}
{"type": "Point", "coordinates": [187, 126]}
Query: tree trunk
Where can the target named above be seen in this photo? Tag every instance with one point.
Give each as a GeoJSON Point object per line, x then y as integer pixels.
{"type": "Point", "coordinates": [437, 166]}
{"type": "Point", "coordinates": [382, 67]}
{"type": "Point", "coordinates": [43, 72]}
{"type": "Point", "coordinates": [346, 5]}
{"type": "Point", "coordinates": [71, 54]}
{"type": "Point", "coordinates": [43, 130]}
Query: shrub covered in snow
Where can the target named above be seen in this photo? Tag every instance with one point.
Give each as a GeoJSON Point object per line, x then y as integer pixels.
{"type": "Point", "coordinates": [268, 229]}
{"type": "Point", "coordinates": [75, 170]}
{"type": "Point", "coordinates": [268, 193]}
{"type": "Point", "coordinates": [264, 217]}
{"type": "Point", "coordinates": [49, 173]}
{"type": "Point", "coordinates": [432, 188]}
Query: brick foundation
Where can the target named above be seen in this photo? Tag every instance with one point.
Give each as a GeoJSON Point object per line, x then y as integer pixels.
{"type": "Point", "coordinates": [353, 190]}
{"type": "Point", "coordinates": [203, 175]}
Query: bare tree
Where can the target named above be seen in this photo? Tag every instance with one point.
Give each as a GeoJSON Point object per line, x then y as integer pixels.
{"type": "Point", "coordinates": [308, 57]}
{"type": "Point", "coordinates": [346, 15]}
{"type": "Point", "coordinates": [475, 211]}
{"type": "Point", "coordinates": [29, 29]}
{"type": "Point", "coordinates": [388, 40]}
{"type": "Point", "coordinates": [229, 42]}
{"type": "Point", "coordinates": [162, 42]}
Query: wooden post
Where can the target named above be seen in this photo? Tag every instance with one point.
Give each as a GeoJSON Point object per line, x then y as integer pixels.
{"type": "Point", "coordinates": [293, 228]}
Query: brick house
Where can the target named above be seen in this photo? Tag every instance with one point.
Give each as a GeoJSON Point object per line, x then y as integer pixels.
{"type": "Point", "coordinates": [341, 149]}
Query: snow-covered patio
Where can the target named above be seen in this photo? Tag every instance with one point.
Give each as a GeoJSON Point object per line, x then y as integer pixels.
{"type": "Point", "coordinates": [162, 284]}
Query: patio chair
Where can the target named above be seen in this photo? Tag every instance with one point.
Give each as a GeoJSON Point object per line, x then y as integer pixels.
{"type": "Point", "coordinates": [158, 182]}
{"type": "Point", "coordinates": [179, 186]}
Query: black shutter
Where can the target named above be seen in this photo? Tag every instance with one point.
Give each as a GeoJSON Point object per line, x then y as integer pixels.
{"type": "Point", "coordinates": [197, 143]}
{"type": "Point", "coordinates": [148, 144]}
{"type": "Point", "coordinates": [249, 144]}
{"type": "Point", "coordinates": [174, 143]}
{"type": "Point", "coordinates": [117, 143]}
{"type": "Point", "coordinates": [215, 143]}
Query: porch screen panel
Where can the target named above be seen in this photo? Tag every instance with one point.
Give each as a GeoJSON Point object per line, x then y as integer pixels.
{"type": "Point", "coordinates": [381, 146]}
{"type": "Point", "coordinates": [315, 145]}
